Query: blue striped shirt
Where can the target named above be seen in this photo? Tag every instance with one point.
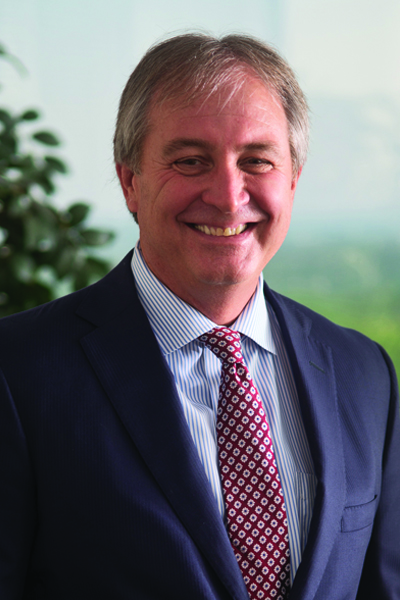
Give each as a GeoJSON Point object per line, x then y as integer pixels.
{"type": "Point", "coordinates": [176, 326]}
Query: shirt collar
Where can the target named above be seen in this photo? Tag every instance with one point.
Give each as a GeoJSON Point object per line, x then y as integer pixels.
{"type": "Point", "coordinates": [175, 323]}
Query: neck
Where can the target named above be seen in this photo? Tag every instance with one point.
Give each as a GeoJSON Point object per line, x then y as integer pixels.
{"type": "Point", "coordinates": [222, 304]}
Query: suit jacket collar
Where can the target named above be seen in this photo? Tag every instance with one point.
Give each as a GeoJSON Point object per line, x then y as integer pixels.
{"type": "Point", "coordinates": [127, 360]}
{"type": "Point", "coordinates": [313, 368]}
{"type": "Point", "coordinates": [150, 410]}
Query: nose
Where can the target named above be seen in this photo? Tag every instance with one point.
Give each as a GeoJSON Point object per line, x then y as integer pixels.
{"type": "Point", "coordinates": [226, 189]}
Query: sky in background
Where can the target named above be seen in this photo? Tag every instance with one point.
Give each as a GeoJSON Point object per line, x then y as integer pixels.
{"type": "Point", "coordinates": [346, 53]}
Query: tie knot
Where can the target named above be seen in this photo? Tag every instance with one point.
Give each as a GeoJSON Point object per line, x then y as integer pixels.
{"type": "Point", "coordinates": [225, 343]}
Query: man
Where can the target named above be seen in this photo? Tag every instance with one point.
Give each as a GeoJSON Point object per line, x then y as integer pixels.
{"type": "Point", "coordinates": [115, 483]}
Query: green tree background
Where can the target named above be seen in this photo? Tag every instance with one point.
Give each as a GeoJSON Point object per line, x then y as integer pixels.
{"type": "Point", "coordinates": [43, 250]}
{"type": "Point", "coordinates": [355, 284]}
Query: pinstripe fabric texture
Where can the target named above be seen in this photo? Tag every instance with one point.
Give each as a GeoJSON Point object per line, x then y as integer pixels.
{"type": "Point", "coordinates": [197, 372]}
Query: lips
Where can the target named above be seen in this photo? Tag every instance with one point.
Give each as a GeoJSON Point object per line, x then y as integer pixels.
{"type": "Point", "coordinates": [219, 232]}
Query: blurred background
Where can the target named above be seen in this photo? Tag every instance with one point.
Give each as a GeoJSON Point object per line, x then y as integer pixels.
{"type": "Point", "coordinates": [342, 254]}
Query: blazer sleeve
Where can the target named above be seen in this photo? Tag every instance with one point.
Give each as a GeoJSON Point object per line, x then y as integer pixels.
{"type": "Point", "coordinates": [381, 572]}
{"type": "Point", "coordinates": [17, 499]}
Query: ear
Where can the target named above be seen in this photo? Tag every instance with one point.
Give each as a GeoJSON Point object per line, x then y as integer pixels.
{"type": "Point", "coordinates": [295, 180]}
{"type": "Point", "coordinates": [129, 185]}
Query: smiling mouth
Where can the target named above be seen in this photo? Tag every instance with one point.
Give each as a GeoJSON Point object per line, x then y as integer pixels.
{"type": "Point", "coordinates": [219, 232]}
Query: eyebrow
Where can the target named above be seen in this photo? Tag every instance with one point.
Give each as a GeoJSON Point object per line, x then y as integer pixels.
{"type": "Point", "coordinates": [268, 146]}
{"type": "Point", "coordinates": [181, 143]}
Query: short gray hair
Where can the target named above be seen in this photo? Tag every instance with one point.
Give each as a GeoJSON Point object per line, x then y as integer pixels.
{"type": "Point", "coordinates": [192, 66]}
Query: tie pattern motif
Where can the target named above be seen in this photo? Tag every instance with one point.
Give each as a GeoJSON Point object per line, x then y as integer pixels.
{"type": "Point", "coordinates": [255, 508]}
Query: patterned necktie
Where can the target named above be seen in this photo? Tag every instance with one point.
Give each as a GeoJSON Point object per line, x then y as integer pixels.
{"type": "Point", "coordinates": [256, 513]}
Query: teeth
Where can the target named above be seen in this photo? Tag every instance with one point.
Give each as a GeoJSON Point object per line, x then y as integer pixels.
{"type": "Point", "coordinates": [218, 231]}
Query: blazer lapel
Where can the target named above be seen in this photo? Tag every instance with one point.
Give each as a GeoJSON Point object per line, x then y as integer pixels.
{"type": "Point", "coordinates": [312, 365]}
{"type": "Point", "coordinates": [126, 358]}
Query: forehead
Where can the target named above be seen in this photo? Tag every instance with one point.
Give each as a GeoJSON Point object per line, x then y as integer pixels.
{"type": "Point", "coordinates": [250, 107]}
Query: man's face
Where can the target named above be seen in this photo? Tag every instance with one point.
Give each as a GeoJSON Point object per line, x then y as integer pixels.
{"type": "Point", "coordinates": [215, 191]}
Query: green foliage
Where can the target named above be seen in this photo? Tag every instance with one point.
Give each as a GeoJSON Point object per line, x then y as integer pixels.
{"type": "Point", "coordinates": [354, 284]}
{"type": "Point", "coordinates": [376, 315]}
{"type": "Point", "coordinates": [41, 247]}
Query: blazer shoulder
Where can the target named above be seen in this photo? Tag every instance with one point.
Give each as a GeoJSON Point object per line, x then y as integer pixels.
{"type": "Point", "coordinates": [39, 316]}
{"type": "Point", "coordinates": [72, 315]}
{"type": "Point", "coordinates": [349, 344]}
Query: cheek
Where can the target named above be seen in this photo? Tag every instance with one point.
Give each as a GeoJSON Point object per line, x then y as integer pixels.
{"type": "Point", "coordinates": [275, 198]}
{"type": "Point", "coordinates": [178, 197]}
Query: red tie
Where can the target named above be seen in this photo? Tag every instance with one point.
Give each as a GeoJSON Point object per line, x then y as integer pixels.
{"type": "Point", "coordinates": [255, 508]}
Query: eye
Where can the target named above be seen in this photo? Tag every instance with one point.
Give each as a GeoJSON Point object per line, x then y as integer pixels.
{"type": "Point", "coordinates": [255, 164]}
{"type": "Point", "coordinates": [191, 165]}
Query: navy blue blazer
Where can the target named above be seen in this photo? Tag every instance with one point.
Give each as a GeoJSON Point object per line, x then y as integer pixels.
{"type": "Point", "coordinates": [102, 492]}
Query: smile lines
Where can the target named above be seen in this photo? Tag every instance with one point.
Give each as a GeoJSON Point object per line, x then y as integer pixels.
{"type": "Point", "coordinates": [218, 231]}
